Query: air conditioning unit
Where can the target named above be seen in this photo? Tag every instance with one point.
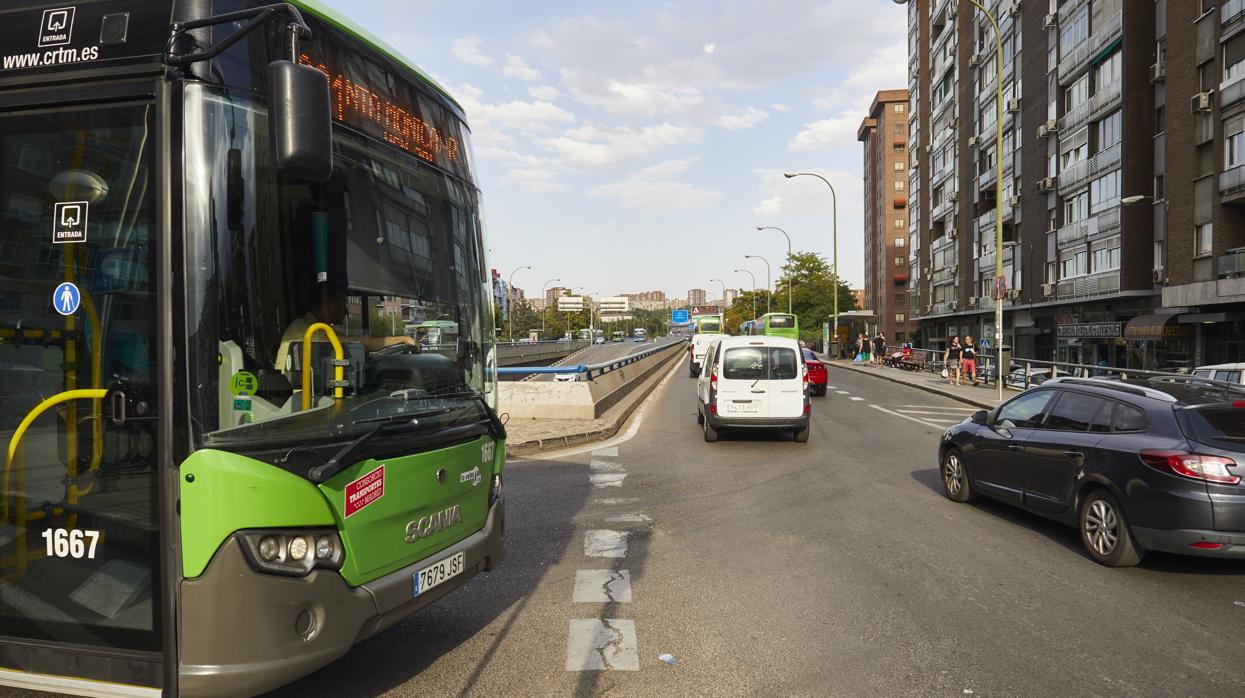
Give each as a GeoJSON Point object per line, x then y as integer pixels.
{"type": "Point", "coordinates": [1201, 102]}
{"type": "Point", "coordinates": [1048, 289]}
{"type": "Point", "coordinates": [1052, 126]}
{"type": "Point", "coordinates": [972, 141]}
{"type": "Point", "coordinates": [953, 196]}
{"type": "Point", "coordinates": [1051, 21]}
{"type": "Point", "coordinates": [929, 148]}
{"type": "Point", "coordinates": [974, 60]}
{"type": "Point", "coordinates": [1158, 275]}
{"type": "Point", "coordinates": [1046, 184]}
{"type": "Point", "coordinates": [1014, 201]}
{"type": "Point", "coordinates": [1013, 105]}
{"type": "Point", "coordinates": [1158, 72]}
{"type": "Point", "coordinates": [916, 70]}
{"type": "Point", "coordinates": [955, 305]}
{"type": "Point", "coordinates": [1013, 294]}
{"type": "Point", "coordinates": [1015, 11]}
{"type": "Point", "coordinates": [1042, 132]}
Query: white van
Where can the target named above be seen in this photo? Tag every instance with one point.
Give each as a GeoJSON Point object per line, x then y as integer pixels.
{"type": "Point", "coordinates": [753, 382]}
{"type": "Point", "coordinates": [1230, 373]}
{"type": "Point", "coordinates": [696, 351]}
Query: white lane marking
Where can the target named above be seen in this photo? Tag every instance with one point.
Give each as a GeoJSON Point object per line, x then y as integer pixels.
{"type": "Point", "coordinates": [842, 392]}
{"type": "Point", "coordinates": [634, 428]}
{"type": "Point", "coordinates": [831, 387]}
{"type": "Point", "coordinates": [607, 479]}
{"type": "Point", "coordinates": [606, 452]}
{"type": "Point", "coordinates": [605, 543]}
{"type": "Point", "coordinates": [856, 399]}
{"type": "Point", "coordinates": [910, 411]}
{"type": "Point", "coordinates": [611, 501]}
{"type": "Point", "coordinates": [596, 644]}
{"type": "Point", "coordinates": [913, 419]}
{"type": "Point", "coordinates": [629, 518]}
{"type": "Point", "coordinates": [602, 586]}
{"type": "Point", "coordinates": [605, 465]}
{"type": "Point", "coordinates": [941, 407]}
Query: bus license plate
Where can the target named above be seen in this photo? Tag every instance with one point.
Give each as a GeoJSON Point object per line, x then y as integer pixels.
{"type": "Point", "coordinates": [438, 572]}
{"type": "Point", "coordinates": [744, 407]}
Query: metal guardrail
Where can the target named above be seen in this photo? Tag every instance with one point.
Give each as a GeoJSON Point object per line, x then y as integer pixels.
{"type": "Point", "coordinates": [586, 372]}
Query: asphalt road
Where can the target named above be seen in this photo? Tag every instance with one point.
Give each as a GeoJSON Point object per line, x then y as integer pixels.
{"type": "Point", "coordinates": [767, 567]}
{"type": "Point", "coordinates": [596, 354]}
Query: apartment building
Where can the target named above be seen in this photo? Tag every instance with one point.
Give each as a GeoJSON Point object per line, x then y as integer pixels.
{"type": "Point", "coordinates": [553, 293]}
{"type": "Point", "coordinates": [614, 308]}
{"type": "Point", "coordinates": [653, 296]}
{"type": "Point", "coordinates": [1086, 221]}
{"type": "Point", "coordinates": [697, 296]}
{"type": "Point", "coordinates": [884, 133]}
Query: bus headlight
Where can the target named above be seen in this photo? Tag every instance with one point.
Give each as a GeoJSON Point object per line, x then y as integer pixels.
{"type": "Point", "coordinates": [288, 551]}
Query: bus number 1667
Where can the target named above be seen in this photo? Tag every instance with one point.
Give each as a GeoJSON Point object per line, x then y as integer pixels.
{"type": "Point", "coordinates": [64, 543]}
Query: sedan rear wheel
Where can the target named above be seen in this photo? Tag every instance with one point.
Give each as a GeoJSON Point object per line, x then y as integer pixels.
{"type": "Point", "coordinates": [955, 482]}
{"type": "Point", "coordinates": [1105, 532]}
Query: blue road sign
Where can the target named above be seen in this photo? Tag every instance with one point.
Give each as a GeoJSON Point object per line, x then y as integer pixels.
{"type": "Point", "coordinates": [66, 298]}
{"type": "Point", "coordinates": [678, 317]}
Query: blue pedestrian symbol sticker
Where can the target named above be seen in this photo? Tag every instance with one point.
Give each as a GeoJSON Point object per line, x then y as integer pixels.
{"type": "Point", "coordinates": [66, 299]}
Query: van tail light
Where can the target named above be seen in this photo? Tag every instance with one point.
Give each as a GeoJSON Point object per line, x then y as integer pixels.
{"type": "Point", "coordinates": [805, 372]}
{"type": "Point", "coordinates": [713, 380]}
{"type": "Point", "coordinates": [1192, 465]}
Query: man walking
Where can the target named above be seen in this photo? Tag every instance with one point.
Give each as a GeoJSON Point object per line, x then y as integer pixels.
{"type": "Point", "coordinates": [879, 348]}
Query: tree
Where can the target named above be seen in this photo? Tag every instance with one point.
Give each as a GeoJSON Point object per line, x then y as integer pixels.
{"type": "Point", "coordinates": [812, 297]}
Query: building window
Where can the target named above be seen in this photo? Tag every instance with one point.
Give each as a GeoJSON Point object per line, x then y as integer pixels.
{"type": "Point", "coordinates": [1160, 120]}
{"type": "Point", "coordinates": [897, 128]}
{"type": "Point", "coordinates": [1104, 192]}
{"type": "Point", "coordinates": [1106, 260]}
{"type": "Point", "coordinates": [1158, 187]}
{"type": "Point", "coordinates": [901, 298]}
{"type": "Point", "coordinates": [901, 261]}
{"type": "Point", "coordinates": [1107, 131]}
{"type": "Point", "coordinates": [1202, 239]}
{"type": "Point", "coordinates": [900, 242]}
{"type": "Point", "coordinates": [1073, 32]}
{"type": "Point", "coordinates": [899, 185]}
{"type": "Point", "coordinates": [898, 108]}
{"type": "Point", "coordinates": [1107, 73]}
{"type": "Point", "coordinates": [1158, 255]}
{"type": "Point", "coordinates": [898, 146]}
{"type": "Point", "coordinates": [899, 224]}
{"type": "Point", "coordinates": [899, 317]}
{"type": "Point", "coordinates": [1073, 265]}
{"type": "Point", "coordinates": [900, 337]}
{"type": "Point", "coordinates": [1074, 95]}
{"type": "Point", "coordinates": [899, 167]}
{"type": "Point", "coordinates": [1234, 145]}
{"type": "Point", "coordinates": [1075, 208]}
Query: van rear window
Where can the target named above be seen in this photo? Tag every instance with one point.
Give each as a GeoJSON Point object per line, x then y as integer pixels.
{"type": "Point", "coordinates": [760, 363]}
{"type": "Point", "coordinates": [1219, 425]}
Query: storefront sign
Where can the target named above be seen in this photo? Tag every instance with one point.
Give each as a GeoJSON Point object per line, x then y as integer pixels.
{"type": "Point", "coordinates": [1091, 330]}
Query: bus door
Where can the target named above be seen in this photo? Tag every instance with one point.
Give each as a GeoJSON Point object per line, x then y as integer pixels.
{"type": "Point", "coordinates": [79, 545]}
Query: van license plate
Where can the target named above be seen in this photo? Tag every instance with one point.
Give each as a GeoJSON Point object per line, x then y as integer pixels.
{"type": "Point", "coordinates": [744, 407]}
{"type": "Point", "coordinates": [437, 572]}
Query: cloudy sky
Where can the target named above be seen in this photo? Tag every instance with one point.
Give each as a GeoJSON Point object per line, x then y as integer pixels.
{"type": "Point", "coordinates": [635, 146]}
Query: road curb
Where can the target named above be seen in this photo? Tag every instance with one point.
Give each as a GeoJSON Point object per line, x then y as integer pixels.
{"type": "Point", "coordinates": [875, 372]}
{"type": "Point", "coordinates": [614, 423]}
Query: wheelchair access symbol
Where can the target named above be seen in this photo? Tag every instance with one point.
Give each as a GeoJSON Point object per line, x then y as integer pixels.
{"type": "Point", "coordinates": [66, 299]}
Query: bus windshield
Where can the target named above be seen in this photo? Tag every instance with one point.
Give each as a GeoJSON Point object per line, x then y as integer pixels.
{"type": "Point", "coordinates": [388, 254]}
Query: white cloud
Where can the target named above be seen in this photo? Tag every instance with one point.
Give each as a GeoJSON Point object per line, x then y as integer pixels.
{"type": "Point", "coordinates": [746, 119]}
{"type": "Point", "coordinates": [648, 189]}
{"type": "Point", "coordinates": [809, 196]}
{"type": "Point", "coordinates": [516, 67]}
{"type": "Point", "coordinates": [467, 50]}
{"type": "Point", "coordinates": [547, 93]}
{"type": "Point", "coordinates": [710, 48]}
{"type": "Point", "coordinates": [825, 134]}
{"type": "Point", "coordinates": [595, 146]}
{"type": "Point", "coordinates": [780, 108]}
{"type": "Point", "coordinates": [533, 179]}
{"type": "Point", "coordinates": [492, 152]}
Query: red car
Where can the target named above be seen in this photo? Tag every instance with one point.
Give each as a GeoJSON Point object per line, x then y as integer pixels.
{"type": "Point", "coordinates": [817, 375]}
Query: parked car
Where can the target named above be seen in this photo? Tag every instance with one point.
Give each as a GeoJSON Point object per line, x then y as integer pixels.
{"type": "Point", "coordinates": [1231, 373]}
{"type": "Point", "coordinates": [1135, 464]}
{"type": "Point", "coordinates": [753, 382]}
{"type": "Point", "coordinates": [818, 377]}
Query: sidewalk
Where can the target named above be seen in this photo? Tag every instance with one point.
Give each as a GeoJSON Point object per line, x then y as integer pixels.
{"type": "Point", "coordinates": [985, 397]}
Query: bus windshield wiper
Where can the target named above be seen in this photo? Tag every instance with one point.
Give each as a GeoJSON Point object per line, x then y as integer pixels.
{"type": "Point", "coordinates": [412, 417]}
{"type": "Point", "coordinates": [346, 455]}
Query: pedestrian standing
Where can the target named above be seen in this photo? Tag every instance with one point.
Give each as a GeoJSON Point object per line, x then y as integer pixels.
{"type": "Point", "coordinates": [879, 348]}
{"type": "Point", "coordinates": [865, 354]}
{"type": "Point", "coordinates": [951, 359]}
{"type": "Point", "coordinates": [969, 362]}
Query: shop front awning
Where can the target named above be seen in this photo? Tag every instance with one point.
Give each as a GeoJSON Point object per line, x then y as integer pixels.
{"type": "Point", "coordinates": [1155, 327]}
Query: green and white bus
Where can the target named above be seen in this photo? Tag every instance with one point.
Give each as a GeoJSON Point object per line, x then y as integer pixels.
{"type": "Point", "coordinates": [773, 325]}
{"type": "Point", "coordinates": [223, 466]}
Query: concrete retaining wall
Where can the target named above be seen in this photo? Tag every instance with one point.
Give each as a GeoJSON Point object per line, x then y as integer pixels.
{"type": "Point", "coordinates": [582, 399]}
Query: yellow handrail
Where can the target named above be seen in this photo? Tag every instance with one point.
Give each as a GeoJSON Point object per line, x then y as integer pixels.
{"type": "Point", "coordinates": [31, 416]}
{"type": "Point", "coordinates": [338, 371]}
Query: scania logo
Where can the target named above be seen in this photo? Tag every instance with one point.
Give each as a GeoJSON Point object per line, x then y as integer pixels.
{"type": "Point", "coordinates": [427, 525]}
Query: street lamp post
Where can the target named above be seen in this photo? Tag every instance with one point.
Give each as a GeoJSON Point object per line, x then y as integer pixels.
{"type": "Point", "coordinates": [998, 191]}
{"type": "Point", "coordinates": [790, 279]}
{"type": "Point", "coordinates": [544, 295]}
{"type": "Point", "coordinates": [510, 297]}
{"type": "Point", "coordinates": [769, 279]}
{"type": "Point", "coordinates": [723, 297]}
{"type": "Point", "coordinates": [754, 290]}
{"type": "Point", "coordinates": [834, 217]}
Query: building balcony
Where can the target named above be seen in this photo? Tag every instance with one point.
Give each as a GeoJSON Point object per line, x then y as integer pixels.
{"type": "Point", "coordinates": [1077, 174]}
{"type": "Point", "coordinates": [945, 207]}
{"type": "Point", "coordinates": [938, 177]}
{"type": "Point", "coordinates": [1231, 265]}
{"type": "Point", "coordinates": [1094, 227]}
{"type": "Point", "coordinates": [1231, 92]}
{"type": "Point", "coordinates": [1232, 185]}
{"type": "Point", "coordinates": [1107, 98]}
{"type": "Point", "coordinates": [1231, 15]}
{"type": "Point", "coordinates": [1091, 285]}
{"type": "Point", "coordinates": [948, 102]}
{"type": "Point", "coordinates": [1104, 34]}
{"type": "Point", "coordinates": [1068, 8]}
{"type": "Point", "coordinates": [943, 276]}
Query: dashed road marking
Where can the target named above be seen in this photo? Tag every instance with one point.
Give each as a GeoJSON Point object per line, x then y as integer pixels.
{"type": "Point", "coordinates": [607, 479]}
{"type": "Point", "coordinates": [856, 399]}
{"type": "Point", "coordinates": [832, 387]}
{"type": "Point", "coordinates": [940, 407]}
{"type": "Point", "coordinates": [597, 644]}
{"type": "Point", "coordinates": [606, 452]}
{"type": "Point", "coordinates": [605, 543]}
{"type": "Point", "coordinates": [842, 392]}
{"type": "Point", "coordinates": [605, 465]}
{"type": "Point", "coordinates": [910, 418]}
{"type": "Point", "coordinates": [614, 501]}
{"type": "Point", "coordinates": [629, 518]}
{"type": "Point", "coordinates": [602, 586]}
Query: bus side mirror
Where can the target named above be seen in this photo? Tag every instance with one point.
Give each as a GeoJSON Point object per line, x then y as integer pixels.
{"type": "Point", "coordinates": [302, 127]}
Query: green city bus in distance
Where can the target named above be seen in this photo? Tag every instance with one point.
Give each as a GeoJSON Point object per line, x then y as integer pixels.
{"type": "Point", "coordinates": [709, 324]}
{"type": "Point", "coordinates": [246, 341]}
{"type": "Point", "coordinates": [776, 325]}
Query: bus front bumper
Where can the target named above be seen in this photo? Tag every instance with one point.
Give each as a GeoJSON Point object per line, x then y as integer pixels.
{"type": "Point", "coordinates": [243, 632]}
